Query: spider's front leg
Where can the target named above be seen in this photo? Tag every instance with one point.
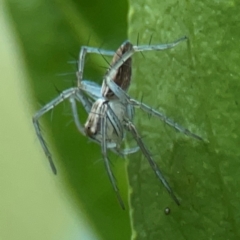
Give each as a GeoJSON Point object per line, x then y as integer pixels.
{"type": "Point", "coordinates": [110, 77]}
{"type": "Point", "coordinates": [63, 96]}
{"type": "Point", "coordinates": [84, 50]}
{"type": "Point", "coordinates": [73, 94]}
{"type": "Point", "coordinates": [104, 153]}
{"type": "Point", "coordinates": [121, 77]}
{"type": "Point", "coordinates": [122, 95]}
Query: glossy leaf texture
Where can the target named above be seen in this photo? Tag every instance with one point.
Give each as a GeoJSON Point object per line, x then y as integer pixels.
{"type": "Point", "coordinates": [196, 84]}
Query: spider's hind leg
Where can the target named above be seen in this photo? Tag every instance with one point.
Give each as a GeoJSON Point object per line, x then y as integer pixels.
{"type": "Point", "coordinates": [130, 127]}
{"type": "Point", "coordinates": [103, 111]}
{"type": "Point", "coordinates": [127, 151]}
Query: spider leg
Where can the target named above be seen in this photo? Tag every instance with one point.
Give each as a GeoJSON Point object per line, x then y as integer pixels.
{"type": "Point", "coordinates": [78, 124]}
{"type": "Point", "coordinates": [91, 88]}
{"type": "Point", "coordinates": [162, 117]}
{"type": "Point", "coordinates": [87, 105]}
{"type": "Point", "coordinates": [126, 151]}
{"type": "Point", "coordinates": [82, 55]}
{"type": "Point", "coordinates": [114, 69]}
{"type": "Point", "coordinates": [126, 99]}
{"type": "Point", "coordinates": [158, 47]}
{"type": "Point", "coordinates": [130, 127]}
{"type": "Point", "coordinates": [104, 110]}
{"type": "Point", "coordinates": [63, 96]}
{"type": "Point", "coordinates": [86, 101]}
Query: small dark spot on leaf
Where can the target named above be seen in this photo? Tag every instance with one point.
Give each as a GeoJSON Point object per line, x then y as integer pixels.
{"type": "Point", "coordinates": [167, 211]}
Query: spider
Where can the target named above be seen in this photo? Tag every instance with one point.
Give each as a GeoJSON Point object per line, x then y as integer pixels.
{"type": "Point", "coordinates": [110, 109]}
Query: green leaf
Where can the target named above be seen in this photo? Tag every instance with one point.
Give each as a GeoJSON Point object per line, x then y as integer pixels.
{"type": "Point", "coordinates": [31, 205]}
{"type": "Point", "coordinates": [51, 34]}
{"type": "Point", "coordinates": [196, 84]}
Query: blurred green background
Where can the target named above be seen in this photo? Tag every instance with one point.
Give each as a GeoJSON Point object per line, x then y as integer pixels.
{"type": "Point", "coordinates": [38, 40]}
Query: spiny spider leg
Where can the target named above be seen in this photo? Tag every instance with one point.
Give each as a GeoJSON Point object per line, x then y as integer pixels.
{"type": "Point", "coordinates": [92, 89]}
{"type": "Point", "coordinates": [86, 102]}
{"type": "Point", "coordinates": [165, 119]}
{"type": "Point", "coordinates": [104, 109]}
{"type": "Point", "coordinates": [122, 78]}
{"type": "Point", "coordinates": [78, 124]}
{"type": "Point", "coordinates": [131, 50]}
{"type": "Point", "coordinates": [130, 127]}
{"type": "Point", "coordinates": [125, 98]}
{"type": "Point", "coordinates": [64, 95]}
{"type": "Point", "coordinates": [67, 94]}
{"type": "Point", "coordinates": [152, 111]}
{"type": "Point", "coordinates": [109, 78]}
{"type": "Point", "coordinates": [124, 73]}
{"type": "Point", "coordinates": [82, 55]}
